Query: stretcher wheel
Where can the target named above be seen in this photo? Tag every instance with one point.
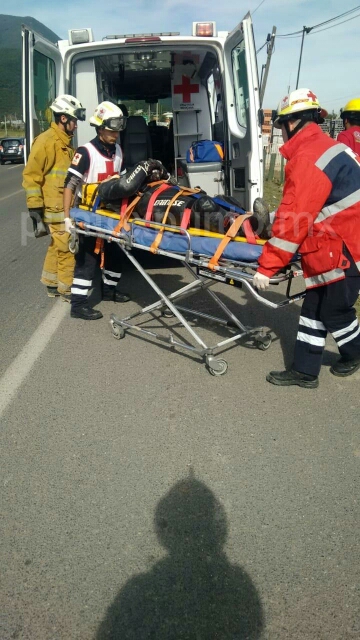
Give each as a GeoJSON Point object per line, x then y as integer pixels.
{"type": "Point", "coordinates": [118, 332]}
{"type": "Point", "coordinates": [166, 313]}
{"type": "Point", "coordinates": [74, 246]}
{"type": "Point", "coordinates": [221, 367]}
{"type": "Point", "coordinates": [264, 343]}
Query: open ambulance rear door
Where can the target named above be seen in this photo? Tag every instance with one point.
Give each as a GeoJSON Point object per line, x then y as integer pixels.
{"type": "Point", "coordinates": [42, 81]}
{"type": "Point", "coordinates": [245, 168]}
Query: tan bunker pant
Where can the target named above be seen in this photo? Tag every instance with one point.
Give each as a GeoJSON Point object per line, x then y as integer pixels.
{"type": "Point", "coordinates": [59, 264]}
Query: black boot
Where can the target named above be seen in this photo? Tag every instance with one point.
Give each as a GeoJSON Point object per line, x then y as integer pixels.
{"type": "Point", "coordinates": [52, 292]}
{"type": "Point", "coordinates": [115, 296]}
{"type": "Point", "coordinates": [287, 378]}
{"type": "Point", "coordinates": [85, 313]}
{"type": "Point", "coordinates": [343, 368]}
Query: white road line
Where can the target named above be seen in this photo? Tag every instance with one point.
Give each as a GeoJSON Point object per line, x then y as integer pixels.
{"type": "Point", "coordinates": [11, 194]}
{"type": "Point", "coordinates": [16, 373]}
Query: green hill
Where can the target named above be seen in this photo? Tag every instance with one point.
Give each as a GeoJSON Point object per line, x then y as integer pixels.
{"type": "Point", "coordinates": [10, 60]}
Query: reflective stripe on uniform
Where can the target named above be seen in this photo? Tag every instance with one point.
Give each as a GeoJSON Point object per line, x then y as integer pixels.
{"type": "Point", "coordinates": [285, 245]}
{"type": "Point", "coordinates": [35, 191]}
{"type": "Point", "coordinates": [339, 206]}
{"type": "Point", "coordinates": [329, 155]}
{"type": "Point", "coordinates": [81, 282]}
{"type": "Point", "coordinates": [306, 337]}
{"type": "Point", "coordinates": [54, 173]}
{"type": "Point", "coordinates": [112, 273]}
{"type": "Point", "coordinates": [79, 292]}
{"type": "Point", "coordinates": [350, 337]}
{"type": "Point", "coordinates": [344, 330]}
{"type": "Point", "coordinates": [324, 278]}
{"type": "Point", "coordinates": [51, 217]}
{"type": "Point", "coordinates": [112, 283]}
{"type": "Point", "coordinates": [312, 324]}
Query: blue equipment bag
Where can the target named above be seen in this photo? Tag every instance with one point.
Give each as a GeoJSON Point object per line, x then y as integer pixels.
{"type": "Point", "coordinates": [205, 151]}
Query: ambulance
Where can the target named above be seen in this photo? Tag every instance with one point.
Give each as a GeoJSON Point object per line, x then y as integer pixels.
{"type": "Point", "coordinates": [205, 84]}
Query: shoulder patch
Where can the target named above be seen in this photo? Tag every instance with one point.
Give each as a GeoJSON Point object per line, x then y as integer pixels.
{"type": "Point", "coordinates": [76, 159]}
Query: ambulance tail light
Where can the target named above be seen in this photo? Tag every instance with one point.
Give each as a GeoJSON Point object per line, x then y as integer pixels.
{"type": "Point", "coordinates": [142, 39]}
{"type": "Point", "coordinates": [81, 36]}
{"type": "Point", "coordinates": [204, 29]}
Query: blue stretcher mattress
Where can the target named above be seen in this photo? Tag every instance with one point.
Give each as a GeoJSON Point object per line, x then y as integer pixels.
{"type": "Point", "coordinates": [204, 245]}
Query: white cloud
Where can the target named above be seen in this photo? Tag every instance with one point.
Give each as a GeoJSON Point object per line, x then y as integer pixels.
{"type": "Point", "coordinates": [329, 65]}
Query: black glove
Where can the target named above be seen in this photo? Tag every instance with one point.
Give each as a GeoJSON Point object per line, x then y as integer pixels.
{"type": "Point", "coordinates": [154, 169]}
{"type": "Point", "coordinates": [36, 216]}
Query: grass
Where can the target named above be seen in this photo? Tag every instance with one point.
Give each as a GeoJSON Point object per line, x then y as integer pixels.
{"type": "Point", "coordinates": [272, 193]}
{"type": "Point", "coordinates": [12, 133]}
{"type": "Point", "coordinates": [357, 307]}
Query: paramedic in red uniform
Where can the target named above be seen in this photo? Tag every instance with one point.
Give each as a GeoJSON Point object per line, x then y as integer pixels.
{"type": "Point", "coordinates": [319, 218]}
{"type": "Point", "coordinates": [350, 115]}
{"type": "Point", "coordinates": [93, 162]}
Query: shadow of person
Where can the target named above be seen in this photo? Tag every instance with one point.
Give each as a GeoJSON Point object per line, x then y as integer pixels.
{"type": "Point", "coordinates": [194, 593]}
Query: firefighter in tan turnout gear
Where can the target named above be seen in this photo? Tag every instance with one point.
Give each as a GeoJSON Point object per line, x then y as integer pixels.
{"type": "Point", "coordinates": [43, 181]}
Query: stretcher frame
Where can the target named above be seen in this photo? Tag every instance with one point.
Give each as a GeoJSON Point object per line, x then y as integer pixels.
{"type": "Point", "coordinates": [202, 279]}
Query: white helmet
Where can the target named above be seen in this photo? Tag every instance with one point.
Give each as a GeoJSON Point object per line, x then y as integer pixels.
{"type": "Point", "coordinates": [68, 105]}
{"type": "Point", "coordinates": [109, 116]}
{"type": "Point", "coordinates": [298, 102]}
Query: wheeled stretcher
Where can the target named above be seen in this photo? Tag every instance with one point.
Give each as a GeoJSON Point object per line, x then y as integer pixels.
{"type": "Point", "coordinates": [208, 257]}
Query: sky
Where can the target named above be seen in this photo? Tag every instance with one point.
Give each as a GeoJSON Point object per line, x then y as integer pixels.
{"type": "Point", "coordinates": [330, 60]}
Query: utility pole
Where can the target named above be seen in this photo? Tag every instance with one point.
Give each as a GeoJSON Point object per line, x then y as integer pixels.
{"type": "Point", "coordinates": [305, 30]}
{"type": "Point", "coordinates": [270, 47]}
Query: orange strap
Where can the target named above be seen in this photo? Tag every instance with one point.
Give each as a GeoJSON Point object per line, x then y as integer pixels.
{"type": "Point", "coordinates": [155, 245]}
{"type": "Point", "coordinates": [231, 233]}
{"type": "Point", "coordinates": [99, 248]}
{"type": "Point", "coordinates": [125, 215]}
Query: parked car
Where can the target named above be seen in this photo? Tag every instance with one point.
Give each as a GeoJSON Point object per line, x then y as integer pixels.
{"type": "Point", "coordinates": [12, 149]}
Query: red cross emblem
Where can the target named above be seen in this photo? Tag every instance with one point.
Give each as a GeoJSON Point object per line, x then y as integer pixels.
{"type": "Point", "coordinates": [109, 171]}
{"type": "Point", "coordinates": [186, 89]}
{"type": "Point", "coordinates": [312, 96]}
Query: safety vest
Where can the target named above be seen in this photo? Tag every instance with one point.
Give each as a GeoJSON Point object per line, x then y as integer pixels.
{"type": "Point", "coordinates": [101, 167]}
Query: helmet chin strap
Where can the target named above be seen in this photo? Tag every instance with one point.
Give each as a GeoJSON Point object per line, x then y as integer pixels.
{"type": "Point", "coordinates": [298, 125]}
{"type": "Point", "coordinates": [69, 133]}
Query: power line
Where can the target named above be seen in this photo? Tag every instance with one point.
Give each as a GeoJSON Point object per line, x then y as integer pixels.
{"type": "Point", "coordinates": [335, 25]}
{"type": "Point", "coordinates": [341, 15]}
{"type": "Point", "coordinates": [258, 7]}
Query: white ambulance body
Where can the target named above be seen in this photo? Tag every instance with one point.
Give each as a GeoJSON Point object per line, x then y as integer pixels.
{"type": "Point", "coordinates": [207, 81]}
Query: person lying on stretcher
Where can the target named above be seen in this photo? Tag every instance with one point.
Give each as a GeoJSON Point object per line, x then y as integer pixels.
{"type": "Point", "coordinates": [161, 200]}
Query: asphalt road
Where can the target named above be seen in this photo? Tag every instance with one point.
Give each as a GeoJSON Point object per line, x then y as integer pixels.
{"type": "Point", "coordinates": [142, 497]}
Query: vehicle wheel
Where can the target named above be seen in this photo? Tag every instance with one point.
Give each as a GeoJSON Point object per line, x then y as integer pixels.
{"type": "Point", "coordinates": [2, 161]}
{"type": "Point", "coordinates": [118, 332]}
{"type": "Point", "coordinates": [222, 367]}
{"type": "Point", "coordinates": [264, 343]}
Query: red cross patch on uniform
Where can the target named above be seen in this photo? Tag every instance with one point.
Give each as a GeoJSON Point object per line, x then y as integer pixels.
{"type": "Point", "coordinates": [76, 159]}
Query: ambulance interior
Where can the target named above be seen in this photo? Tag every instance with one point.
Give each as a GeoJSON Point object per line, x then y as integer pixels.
{"type": "Point", "coordinates": [185, 85]}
